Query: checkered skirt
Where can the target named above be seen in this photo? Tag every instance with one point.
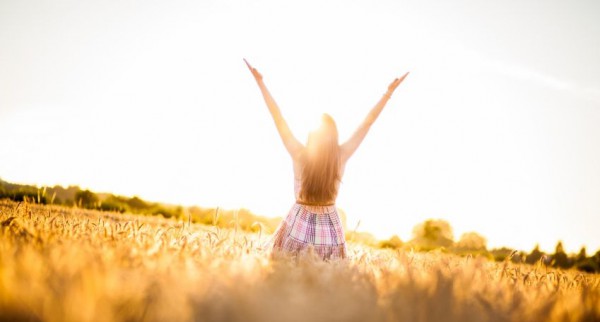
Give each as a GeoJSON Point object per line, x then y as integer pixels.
{"type": "Point", "coordinates": [306, 226]}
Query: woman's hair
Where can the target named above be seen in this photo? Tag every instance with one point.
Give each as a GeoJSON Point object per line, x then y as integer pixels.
{"type": "Point", "coordinates": [321, 163]}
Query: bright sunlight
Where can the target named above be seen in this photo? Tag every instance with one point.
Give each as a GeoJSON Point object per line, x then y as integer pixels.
{"type": "Point", "coordinates": [147, 173]}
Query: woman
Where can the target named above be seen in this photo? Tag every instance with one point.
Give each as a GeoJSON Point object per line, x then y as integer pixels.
{"type": "Point", "coordinates": [313, 221]}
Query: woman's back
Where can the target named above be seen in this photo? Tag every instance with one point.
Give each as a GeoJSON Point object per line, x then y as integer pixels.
{"type": "Point", "coordinates": [298, 167]}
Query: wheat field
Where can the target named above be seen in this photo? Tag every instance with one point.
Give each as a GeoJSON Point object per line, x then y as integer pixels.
{"type": "Point", "coordinates": [68, 264]}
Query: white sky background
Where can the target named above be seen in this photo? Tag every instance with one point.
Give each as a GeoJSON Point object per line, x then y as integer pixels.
{"type": "Point", "coordinates": [497, 128]}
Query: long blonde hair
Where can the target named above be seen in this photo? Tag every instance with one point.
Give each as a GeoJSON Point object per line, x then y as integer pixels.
{"type": "Point", "coordinates": [321, 164]}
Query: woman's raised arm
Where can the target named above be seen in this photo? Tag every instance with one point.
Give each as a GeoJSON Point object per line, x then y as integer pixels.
{"type": "Point", "coordinates": [348, 147]}
{"type": "Point", "coordinates": [293, 146]}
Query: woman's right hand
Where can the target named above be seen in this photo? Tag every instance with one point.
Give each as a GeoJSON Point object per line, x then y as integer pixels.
{"type": "Point", "coordinates": [255, 73]}
{"type": "Point", "coordinates": [392, 87]}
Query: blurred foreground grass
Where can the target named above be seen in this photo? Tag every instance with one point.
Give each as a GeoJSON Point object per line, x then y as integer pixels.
{"type": "Point", "coordinates": [63, 264]}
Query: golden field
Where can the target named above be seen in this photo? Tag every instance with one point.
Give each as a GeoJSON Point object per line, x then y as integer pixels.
{"type": "Point", "coordinates": [69, 264]}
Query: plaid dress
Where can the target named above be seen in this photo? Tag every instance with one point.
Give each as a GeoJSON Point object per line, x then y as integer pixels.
{"type": "Point", "coordinates": [307, 226]}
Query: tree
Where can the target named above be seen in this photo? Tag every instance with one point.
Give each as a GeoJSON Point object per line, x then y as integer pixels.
{"type": "Point", "coordinates": [534, 256]}
{"type": "Point", "coordinates": [471, 241]}
{"type": "Point", "coordinates": [114, 203]}
{"type": "Point", "coordinates": [596, 260]}
{"type": "Point", "coordinates": [560, 258]}
{"type": "Point", "coordinates": [583, 263]}
{"type": "Point", "coordinates": [432, 234]}
{"type": "Point", "coordinates": [501, 254]}
{"type": "Point", "coordinates": [361, 237]}
{"type": "Point", "coordinates": [394, 242]}
{"type": "Point", "coordinates": [86, 199]}
{"type": "Point", "coordinates": [137, 203]}
{"type": "Point", "coordinates": [582, 256]}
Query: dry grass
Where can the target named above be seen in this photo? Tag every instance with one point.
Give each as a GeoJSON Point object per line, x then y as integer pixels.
{"type": "Point", "coordinates": [59, 264]}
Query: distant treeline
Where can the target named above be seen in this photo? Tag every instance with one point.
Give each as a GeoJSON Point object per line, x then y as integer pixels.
{"type": "Point", "coordinates": [437, 235]}
{"type": "Point", "coordinates": [431, 235]}
{"type": "Point", "coordinates": [73, 196]}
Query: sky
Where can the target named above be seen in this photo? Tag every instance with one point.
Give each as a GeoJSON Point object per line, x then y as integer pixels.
{"type": "Point", "coordinates": [496, 129]}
